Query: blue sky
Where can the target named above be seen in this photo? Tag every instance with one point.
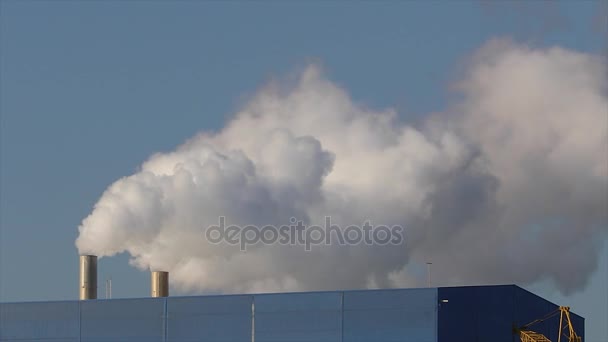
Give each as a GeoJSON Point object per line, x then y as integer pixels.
{"type": "Point", "coordinates": [88, 90]}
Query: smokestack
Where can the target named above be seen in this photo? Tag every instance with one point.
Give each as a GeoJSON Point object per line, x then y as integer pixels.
{"type": "Point", "coordinates": [159, 284]}
{"type": "Point", "coordinates": [88, 277]}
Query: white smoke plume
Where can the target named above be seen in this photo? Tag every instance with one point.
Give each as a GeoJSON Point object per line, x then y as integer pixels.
{"type": "Point", "coordinates": [508, 185]}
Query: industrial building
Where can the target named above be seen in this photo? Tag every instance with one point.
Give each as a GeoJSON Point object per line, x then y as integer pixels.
{"type": "Point", "coordinates": [476, 313]}
{"type": "Point", "coordinates": [499, 313]}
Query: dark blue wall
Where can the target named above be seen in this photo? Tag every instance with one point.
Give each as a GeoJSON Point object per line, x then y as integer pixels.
{"type": "Point", "coordinates": [489, 313]}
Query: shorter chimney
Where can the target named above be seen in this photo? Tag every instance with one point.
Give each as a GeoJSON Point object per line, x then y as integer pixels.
{"type": "Point", "coordinates": [88, 277]}
{"type": "Point", "coordinates": [159, 284]}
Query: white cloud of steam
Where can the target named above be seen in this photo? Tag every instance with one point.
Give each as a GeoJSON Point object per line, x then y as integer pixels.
{"type": "Point", "coordinates": [508, 185]}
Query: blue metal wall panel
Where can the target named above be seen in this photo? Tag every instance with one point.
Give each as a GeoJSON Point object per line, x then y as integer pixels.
{"type": "Point", "coordinates": [301, 317]}
{"type": "Point", "coordinates": [484, 313]}
{"type": "Point", "coordinates": [206, 319]}
{"type": "Point", "coordinates": [48, 321]}
{"type": "Point", "coordinates": [477, 313]}
{"type": "Point", "coordinates": [529, 307]}
{"type": "Point", "coordinates": [123, 320]}
{"type": "Point", "coordinates": [390, 315]}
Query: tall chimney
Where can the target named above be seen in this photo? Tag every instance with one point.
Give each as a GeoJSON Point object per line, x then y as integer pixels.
{"type": "Point", "coordinates": [159, 284]}
{"type": "Point", "coordinates": [88, 277]}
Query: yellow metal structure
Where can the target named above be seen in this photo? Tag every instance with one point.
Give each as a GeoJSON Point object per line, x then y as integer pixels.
{"type": "Point", "coordinates": [531, 336]}
{"type": "Point", "coordinates": [565, 328]}
{"type": "Point", "coordinates": [568, 329]}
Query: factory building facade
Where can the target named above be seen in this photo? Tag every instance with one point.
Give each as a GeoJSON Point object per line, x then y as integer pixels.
{"type": "Point", "coordinates": [475, 313]}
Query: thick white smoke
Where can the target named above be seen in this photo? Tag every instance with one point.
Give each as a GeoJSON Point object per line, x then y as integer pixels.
{"type": "Point", "coordinates": [508, 185]}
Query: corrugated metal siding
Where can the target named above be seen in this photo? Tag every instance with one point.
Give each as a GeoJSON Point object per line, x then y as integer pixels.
{"type": "Point", "coordinates": [298, 317]}
{"type": "Point", "coordinates": [122, 320]}
{"type": "Point", "coordinates": [476, 314]}
{"type": "Point", "coordinates": [206, 319]}
{"type": "Point", "coordinates": [392, 315]}
{"type": "Point", "coordinates": [50, 321]}
{"type": "Point", "coordinates": [489, 313]}
{"type": "Point", "coordinates": [379, 316]}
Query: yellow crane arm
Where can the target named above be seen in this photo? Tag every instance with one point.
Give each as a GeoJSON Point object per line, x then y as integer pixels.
{"type": "Point", "coordinates": [566, 328]}
{"type": "Point", "coordinates": [531, 336]}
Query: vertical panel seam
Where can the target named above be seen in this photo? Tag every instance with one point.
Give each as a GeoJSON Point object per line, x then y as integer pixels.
{"type": "Point", "coordinates": [342, 317]}
{"type": "Point", "coordinates": [252, 318]}
{"type": "Point", "coordinates": [80, 321]}
{"type": "Point", "coordinates": [165, 320]}
{"type": "Point", "coordinates": [437, 308]}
